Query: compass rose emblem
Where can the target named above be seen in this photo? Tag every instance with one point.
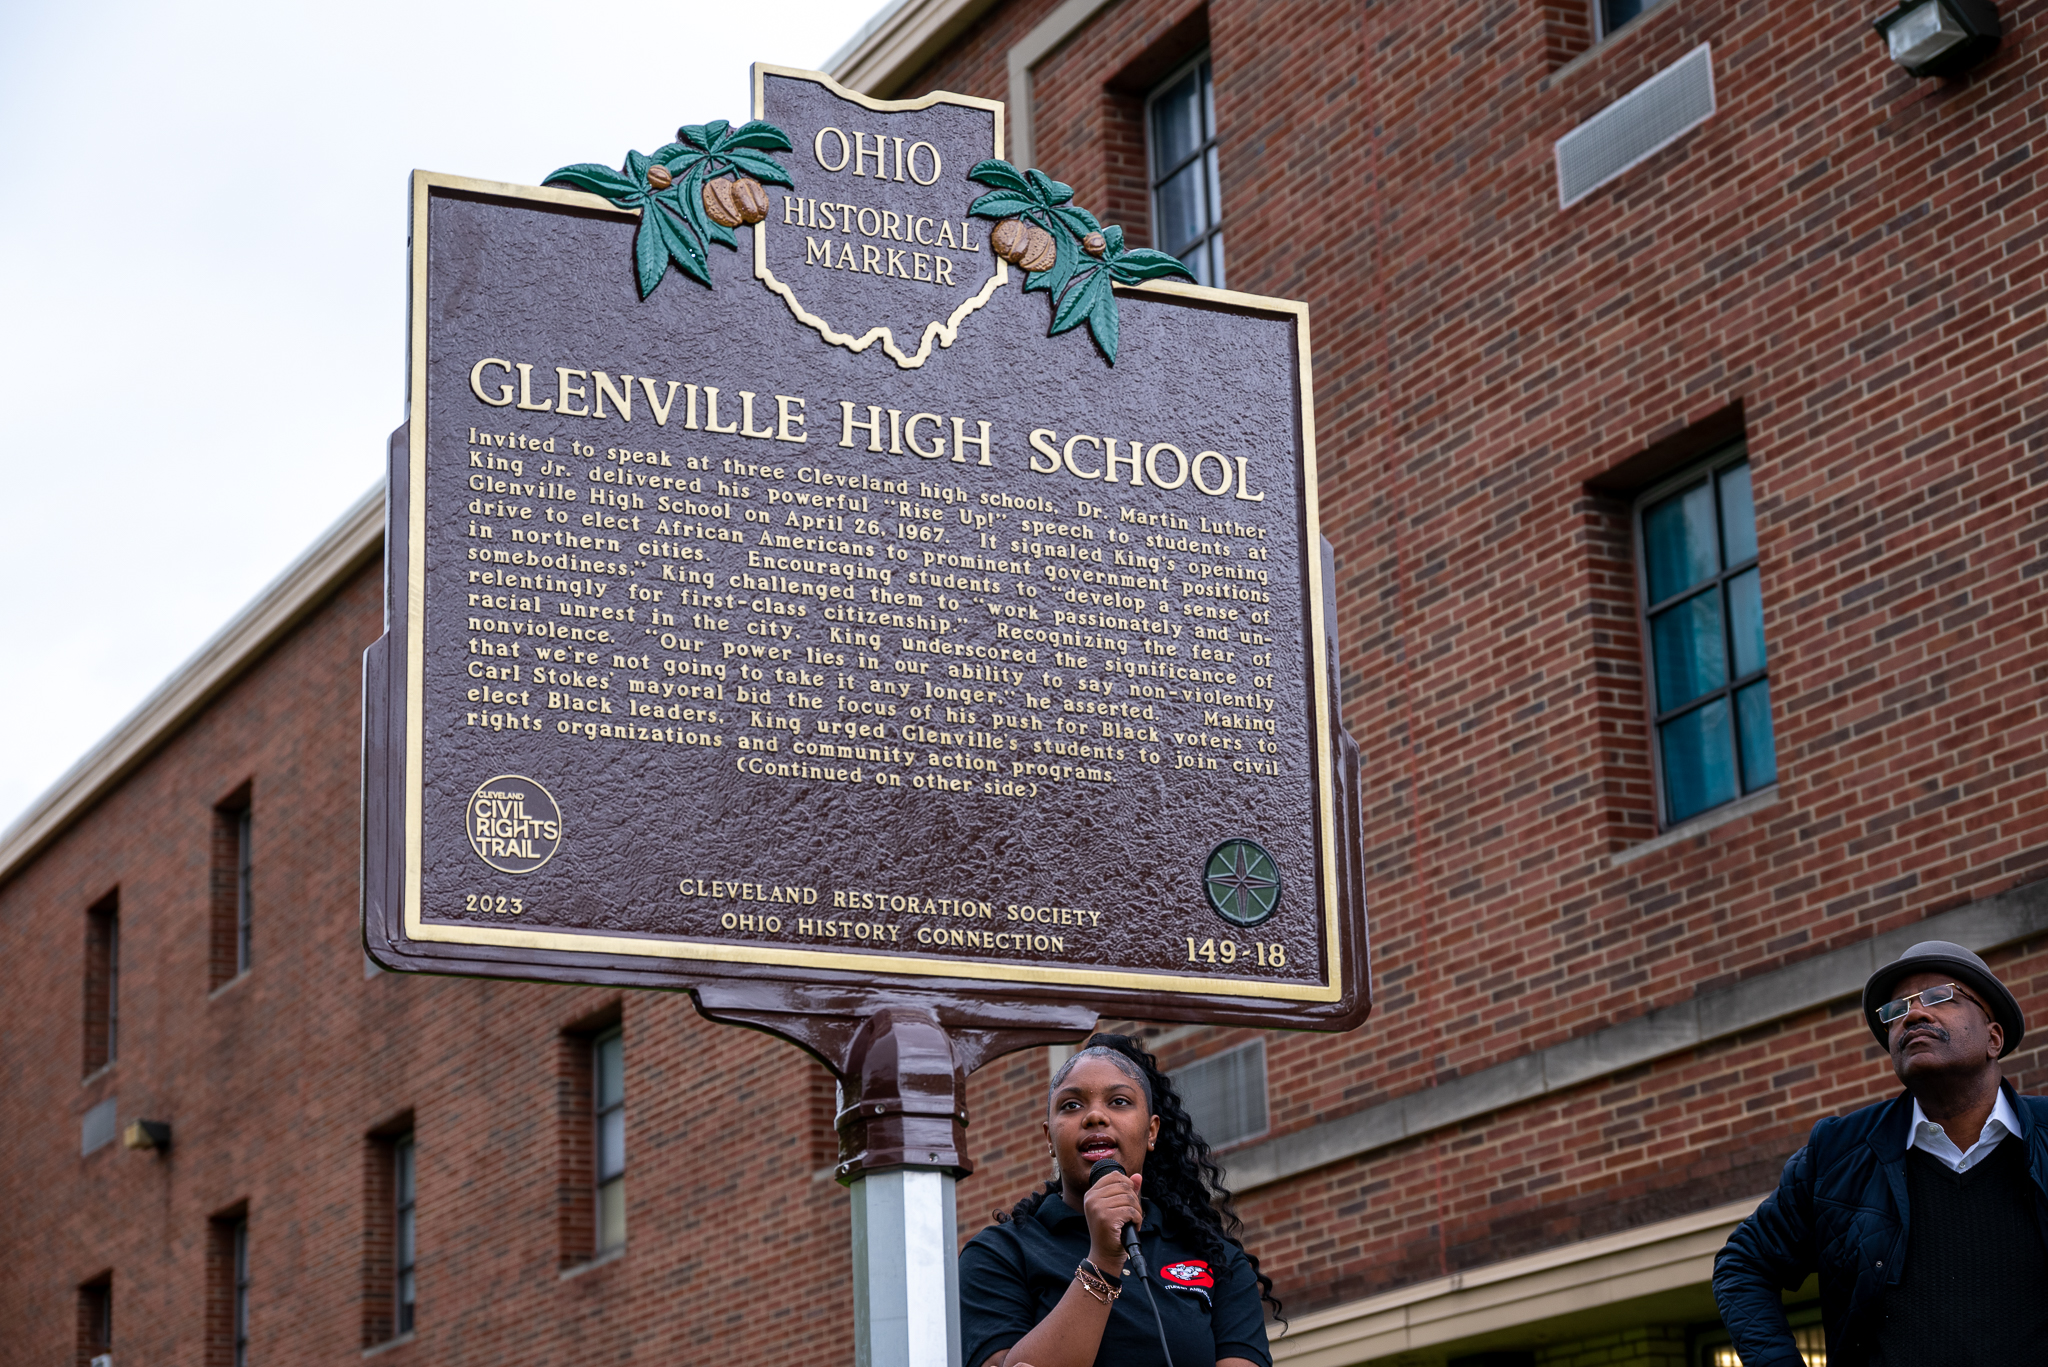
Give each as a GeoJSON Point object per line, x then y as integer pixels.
{"type": "Point", "coordinates": [1242, 881]}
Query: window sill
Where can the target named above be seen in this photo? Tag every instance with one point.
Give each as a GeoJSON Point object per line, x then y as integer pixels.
{"type": "Point", "coordinates": [1606, 44]}
{"type": "Point", "coordinates": [1699, 825]}
{"type": "Point", "coordinates": [611, 1255]}
{"type": "Point", "coordinates": [388, 1344]}
{"type": "Point", "coordinates": [99, 1074]}
{"type": "Point", "coordinates": [1243, 1140]}
{"type": "Point", "coordinates": [224, 987]}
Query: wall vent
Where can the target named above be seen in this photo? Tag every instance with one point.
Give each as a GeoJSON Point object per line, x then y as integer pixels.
{"type": "Point", "coordinates": [1225, 1094]}
{"type": "Point", "coordinates": [1637, 126]}
{"type": "Point", "coordinates": [98, 1128]}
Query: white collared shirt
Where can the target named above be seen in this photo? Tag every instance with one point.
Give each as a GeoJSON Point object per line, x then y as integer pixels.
{"type": "Point", "coordinates": [1933, 1140]}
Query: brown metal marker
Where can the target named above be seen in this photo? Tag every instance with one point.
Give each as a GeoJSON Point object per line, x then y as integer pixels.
{"type": "Point", "coordinates": [835, 644]}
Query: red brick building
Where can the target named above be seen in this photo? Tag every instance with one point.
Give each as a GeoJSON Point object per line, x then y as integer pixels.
{"type": "Point", "coordinates": [1682, 389]}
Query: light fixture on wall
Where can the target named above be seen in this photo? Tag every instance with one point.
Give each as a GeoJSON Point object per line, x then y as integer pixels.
{"type": "Point", "coordinates": [147, 1134]}
{"type": "Point", "coordinates": [1940, 37]}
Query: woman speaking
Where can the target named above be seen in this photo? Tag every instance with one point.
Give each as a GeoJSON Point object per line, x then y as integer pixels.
{"type": "Point", "coordinates": [1048, 1286]}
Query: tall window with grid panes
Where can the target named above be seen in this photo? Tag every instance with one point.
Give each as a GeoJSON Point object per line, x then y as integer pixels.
{"type": "Point", "coordinates": [1187, 194]}
{"type": "Point", "coordinates": [96, 1320]}
{"type": "Point", "coordinates": [404, 1230]}
{"type": "Point", "coordinates": [242, 1293]}
{"type": "Point", "coordinates": [102, 983]}
{"type": "Point", "coordinates": [1703, 620]}
{"type": "Point", "coordinates": [245, 903]}
{"type": "Point", "coordinates": [608, 1076]}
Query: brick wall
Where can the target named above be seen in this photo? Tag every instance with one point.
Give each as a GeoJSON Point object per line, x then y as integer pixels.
{"type": "Point", "coordinates": [280, 1085]}
{"type": "Point", "coordinates": [1843, 265]}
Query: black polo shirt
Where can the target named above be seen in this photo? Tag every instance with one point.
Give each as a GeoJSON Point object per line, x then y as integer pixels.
{"type": "Point", "coordinates": [1013, 1274]}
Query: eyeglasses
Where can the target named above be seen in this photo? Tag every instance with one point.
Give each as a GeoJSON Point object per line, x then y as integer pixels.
{"type": "Point", "coordinates": [1927, 996]}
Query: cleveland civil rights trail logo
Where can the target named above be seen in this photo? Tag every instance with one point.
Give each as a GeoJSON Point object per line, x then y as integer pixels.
{"type": "Point", "coordinates": [515, 825]}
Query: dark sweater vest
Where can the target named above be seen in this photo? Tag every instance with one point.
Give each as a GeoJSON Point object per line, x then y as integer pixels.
{"type": "Point", "coordinates": [1975, 1285]}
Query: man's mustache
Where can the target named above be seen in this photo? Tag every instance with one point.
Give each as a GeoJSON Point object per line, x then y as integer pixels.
{"type": "Point", "coordinates": [1931, 1031]}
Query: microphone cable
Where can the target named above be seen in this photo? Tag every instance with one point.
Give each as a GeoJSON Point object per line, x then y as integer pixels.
{"type": "Point", "coordinates": [1132, 1254]}
{"type": "Point", "coordinates": [1136, 1258]}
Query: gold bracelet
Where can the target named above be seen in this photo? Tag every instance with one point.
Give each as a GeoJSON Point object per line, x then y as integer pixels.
{"type": "Point", "coordinates": [1096, 1283]}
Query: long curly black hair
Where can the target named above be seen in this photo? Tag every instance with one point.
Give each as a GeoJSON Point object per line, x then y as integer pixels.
{"type": "Point", "coordinates": [1181, 1177]}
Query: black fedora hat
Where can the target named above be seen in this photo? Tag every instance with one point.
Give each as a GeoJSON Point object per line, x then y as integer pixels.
{"type": "Point", "coordinates": [1939, 956]}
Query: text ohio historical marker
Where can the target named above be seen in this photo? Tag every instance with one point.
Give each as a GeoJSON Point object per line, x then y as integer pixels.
{"type": "Point", "coordinates": [822, 555]}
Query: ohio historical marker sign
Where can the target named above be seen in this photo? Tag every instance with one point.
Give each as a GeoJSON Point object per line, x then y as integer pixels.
{"type": "Point", "coordinates": [821, 554]}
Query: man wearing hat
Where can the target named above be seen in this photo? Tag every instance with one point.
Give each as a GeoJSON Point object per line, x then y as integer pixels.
{"type": "Point", "coordinates": [1926, 1216]}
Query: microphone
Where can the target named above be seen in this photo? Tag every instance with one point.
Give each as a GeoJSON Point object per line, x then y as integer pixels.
{"type": "Point", "coordinates": [1130, 1231]}
{"type": "Point", "coordinates": [1134, 1257]}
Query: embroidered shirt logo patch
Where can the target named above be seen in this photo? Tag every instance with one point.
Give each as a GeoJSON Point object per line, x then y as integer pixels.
{"type": "Point", "coordinates": [1190, 1273]}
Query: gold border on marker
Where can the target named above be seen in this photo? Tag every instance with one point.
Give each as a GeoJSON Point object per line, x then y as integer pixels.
{"type": "Point", "coordinates": [566, 941]}
{"type": "Point", "coordinates": [946, 331]}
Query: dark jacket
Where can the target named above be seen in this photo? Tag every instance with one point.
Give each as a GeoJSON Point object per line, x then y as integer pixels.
{"type": "Point", "coordinates": [1840, 1210]}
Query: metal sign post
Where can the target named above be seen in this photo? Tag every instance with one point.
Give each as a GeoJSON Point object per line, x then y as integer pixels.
{"type": "Point", "coordinates": [901, 1129]}
{"type": "Point", "coordinates": [905, 1292]}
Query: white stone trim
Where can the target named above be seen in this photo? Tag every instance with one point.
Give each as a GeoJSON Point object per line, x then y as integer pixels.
{"type": "Point", "coordinates": [900, 41]}
{"type": "Point", "coordinates": [1698, 825]}
{"type": "Point", "coordinates": [339, 553]}
{"type": "Point", "coordinates": [1062, 24]}
{"type": "Point", "coordinates": [1666, 1256]}
{"type": "Point", "coordinates": [1806, 985]}
{"type": "Point", "coordinates": [904, 37]}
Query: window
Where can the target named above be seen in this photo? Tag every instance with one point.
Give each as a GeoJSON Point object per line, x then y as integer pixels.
{"type": "Point", "coordinates": [95, 1320]}
{"type": "Point", "coordinates": [1187, 196]}
{"type": "Point", "coordinates": [1614, 13]}
{"type": "Point", "coordinates": [403, 1230]}
{"type": "Point", "coordinates": [1703, 624]}
{"type": "Point", "coordinates": [241, 1238]}
{"type": "Point", "coordinates": [102, 983]}
{"type": "Point", "coordinates": [232, 947]}
{"type": "Point", "coordinates": [244, 915]}
{"type": "Point", "coordinates": [608, 1071]}
{"type": "Point", "coordinates": [390, 1231]}
{"type": "Point", "coordinates": [590, 1138]}
{"type": "Point", "coordinates": [227, 1287]}
{"type": "Point", "coordinates": [1808, 1336]}
{"type": "Point", "coordinates": [1225, 1094]}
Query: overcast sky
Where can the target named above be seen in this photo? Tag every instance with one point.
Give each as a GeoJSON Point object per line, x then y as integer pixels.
{"type": "Point", "coordinates": [202, 283]}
